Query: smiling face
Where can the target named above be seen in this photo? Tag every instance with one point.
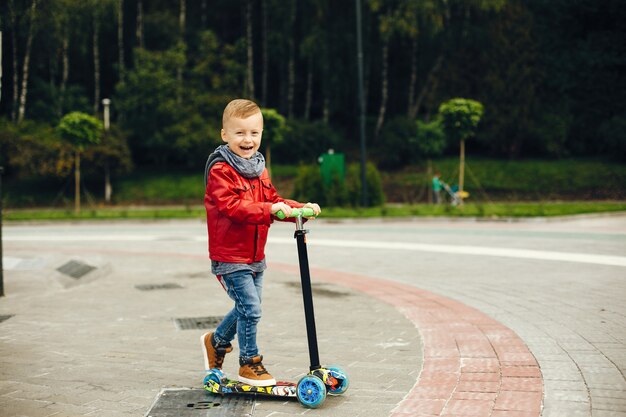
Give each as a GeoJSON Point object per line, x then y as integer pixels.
{"type": "Point", "coordinates": [243, 136]}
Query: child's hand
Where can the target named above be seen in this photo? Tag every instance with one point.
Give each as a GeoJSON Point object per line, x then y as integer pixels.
{"type": "Point", "coordinates": [315, 207]}
{"type": "Point", "coordinates": [276, 207]}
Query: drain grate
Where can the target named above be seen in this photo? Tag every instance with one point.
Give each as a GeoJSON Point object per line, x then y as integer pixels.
{"type": "Point", "coordinates": [75, 269]}
{"type": "Point", "coordinates": [199, 402]}
{"type": "Point", "coordinates": [5, 317]}
{"type": "Point", "coordinates": [192, 323]}
{"type": "Point", "coordinates": [151, 287]}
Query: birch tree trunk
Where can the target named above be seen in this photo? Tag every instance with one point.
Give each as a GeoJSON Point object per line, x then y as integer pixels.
{"type": "Point", "coordinates": [139, 31]}
{"type": "Point", "coordinates": [384, 94]}
{"type": "Point", "coordinates": [16, 88]}
{"type": "Point", "coordinates": [29, 43]}
{"type": "Point", "coordinates": [96, 62]}
{"type": "Point", "coordinates": [120, 39]}
{"type": "Point", "coordinates": [265, 64]}
{"type": "Point", "coordinates": [430, 81]}
{"type": "Point", "coordinates": [250, 52]}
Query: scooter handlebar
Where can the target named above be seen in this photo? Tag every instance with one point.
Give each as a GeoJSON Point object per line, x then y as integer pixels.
{"type": "Point", "coordinates": [295, 212]}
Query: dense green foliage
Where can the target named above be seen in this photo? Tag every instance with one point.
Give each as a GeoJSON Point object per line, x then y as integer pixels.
{"type": "Point", "coordinates": [487, 180]}
{"type": "Point", "coordinates": [80, 130]}
{"type": "Point", "coordinates": [460, 118]}
{"type": "Point", "coordinates": [548, 72]}
{"type": "Point", "coordinates": [309, 186]}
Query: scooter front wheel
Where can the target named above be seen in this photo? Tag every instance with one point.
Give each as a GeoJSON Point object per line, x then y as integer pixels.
{"type": "Point", "coordinates": [342, 380]}
{"type": "Point", "coordinates": [311, 391]}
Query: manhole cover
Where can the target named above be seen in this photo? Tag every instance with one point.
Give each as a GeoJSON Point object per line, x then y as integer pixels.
{"type": "Point", "coordinates": [191, 323]}
{"type": "Point", "coordinates": [75, 269]}
{"type": "Point", "coordinates": [199, 402]}
{"type": "Point", "coordinates": [5, 317]}
{"type": "Point", "coordinates": [150, 287]}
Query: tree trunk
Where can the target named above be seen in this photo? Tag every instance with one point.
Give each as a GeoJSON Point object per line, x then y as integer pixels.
{"type": "Point", "coordinates": [461, 171]}
{"type": "Point", "coordinates": [384, 94]}
{"type": "Point", "coordinates": [203, 8]}
{"type": "Point", "coordinates": [0, 102]}
{"type": "Point", "coordinates": [108, 189]}
{"type": "Point", "coordinates": [291, 68]}
{"type": "Point", "coordinates": [413, 79]}
{"type": "Point", "coordinates": [179, 70]}
{"type": "Point", "coordinates": [139, 31]}
{"type": "Point", "coordinates": [77, 183]}
{"type": "Point", "coordinates": [65, 69]}
{"type": "Point", "coordinates": [430, 80]}
{"type": "Point", "coordinates": [25, 68]}
{"type": "Point", "coordinates": [16, 88]}
{"type": "Point", "coordinates": [120, 39]}
{"type": "Point", "coordinates": [265, 65]}
{"type": "Point", "coordinates": [309, 91]}
{"type": "Point", "coordinates": [268, 158]}
{"type": "Point", "coordinates": [96, 63]}
{"type": "Point", "coordinates": [250, 52]}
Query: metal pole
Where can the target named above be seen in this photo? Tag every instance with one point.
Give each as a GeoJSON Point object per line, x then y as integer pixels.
{"type": "Point", "coordinates": [359, 42]}
{"type": "Point", "coordinates": [106, 103]}
{"type": "Point", "coordinates": [307, 294]}
{"type": "Point", "coordinates": [108, 189]}
{"type": "Point", "coordinates": [0, 65]}
{"type": "Point", "coordinates": [1, 266]}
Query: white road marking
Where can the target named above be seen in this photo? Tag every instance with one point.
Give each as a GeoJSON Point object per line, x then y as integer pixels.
{"type": "Point", "coordinates": [351, 244]}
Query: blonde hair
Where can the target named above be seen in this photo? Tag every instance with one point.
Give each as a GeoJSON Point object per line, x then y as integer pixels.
{"type": "Point", "coordinates": [239, 108]}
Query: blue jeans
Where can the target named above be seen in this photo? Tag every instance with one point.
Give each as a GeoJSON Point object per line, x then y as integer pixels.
{"type": "Point", "coordinates": [245, 289]}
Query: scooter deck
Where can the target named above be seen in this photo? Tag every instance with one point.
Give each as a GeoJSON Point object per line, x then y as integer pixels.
{"type": "Point", "coordinates": [231, 386]}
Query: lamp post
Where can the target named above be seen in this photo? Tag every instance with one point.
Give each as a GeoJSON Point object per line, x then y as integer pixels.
{"type": "Point", "coordinates": [1, 266]}
{"type": "Point", "coordinates": [359, 41]}
{"type": "Point", "coordinates": [108, 189]}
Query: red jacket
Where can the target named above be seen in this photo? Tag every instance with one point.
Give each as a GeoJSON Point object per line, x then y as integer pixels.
{"type": "Point", "coordinates": [238, 214]}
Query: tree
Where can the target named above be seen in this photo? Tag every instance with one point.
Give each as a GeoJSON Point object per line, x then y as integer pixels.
{"type": "Point", "coordinates": [274, 128]}
{"type": "Point", "coordinates": [80, 130]}
{"type": "Point", "coordinates": [26, 66]}
{"type": "Point", "coordinates": [460, 119]}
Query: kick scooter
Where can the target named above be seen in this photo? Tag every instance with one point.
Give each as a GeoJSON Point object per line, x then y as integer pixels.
{"type": "Point", "coordinates": [312, 388]}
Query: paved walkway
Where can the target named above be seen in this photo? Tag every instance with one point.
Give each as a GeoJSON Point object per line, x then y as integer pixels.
{"type": "Point", "coordinates": [514, 334]}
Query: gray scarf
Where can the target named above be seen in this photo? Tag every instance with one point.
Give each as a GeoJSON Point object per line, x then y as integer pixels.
{"type": "Point", "coordinates": [247, 168]}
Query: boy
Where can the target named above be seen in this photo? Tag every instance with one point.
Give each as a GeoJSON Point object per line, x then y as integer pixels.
{"type": "Point", "coordinates": [240, 202]}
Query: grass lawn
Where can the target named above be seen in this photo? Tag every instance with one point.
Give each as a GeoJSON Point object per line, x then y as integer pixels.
{"type": "Point", "coordinates": [490, 210]}
{"type": "Point", "coordinates": [525, 188]}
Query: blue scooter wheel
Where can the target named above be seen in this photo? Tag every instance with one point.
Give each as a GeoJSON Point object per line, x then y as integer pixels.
{"type": "Point", "coordinates": [212, 380]}
{"type": "Point", "coordinates": [311, 391]}
{"type": "Point", "coordinates": [343, 381]}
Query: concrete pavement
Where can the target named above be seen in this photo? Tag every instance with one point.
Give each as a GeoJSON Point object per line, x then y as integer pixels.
{"type": "Point", "coordinates": [423, 329]}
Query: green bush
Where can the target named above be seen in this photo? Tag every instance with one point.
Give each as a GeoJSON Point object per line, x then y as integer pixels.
{"type": "Point", "coordinates": [374, 185]}
{"type": "Point", "coordinates": [396, 146]}
{"type": "Point", "coordinates": [310, 187]}
{"type": "Point", "coordinates": [613, 138]}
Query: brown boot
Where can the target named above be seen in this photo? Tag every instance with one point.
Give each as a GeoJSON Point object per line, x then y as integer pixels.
{"type": "Point", "coordinates": [213, 356]}
{"type": "Point", "coordinates": [253, 372]}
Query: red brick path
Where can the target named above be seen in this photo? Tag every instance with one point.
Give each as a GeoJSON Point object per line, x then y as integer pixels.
{"type": "Point", "coordinates": [473, 365]}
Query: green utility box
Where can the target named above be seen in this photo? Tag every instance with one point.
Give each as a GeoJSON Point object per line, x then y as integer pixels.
{"type": "Point", "coordinates": [332, 165]}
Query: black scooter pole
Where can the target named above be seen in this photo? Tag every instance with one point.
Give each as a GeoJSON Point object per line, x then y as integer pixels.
{"type": "Point", "coordinates": [307, 293]}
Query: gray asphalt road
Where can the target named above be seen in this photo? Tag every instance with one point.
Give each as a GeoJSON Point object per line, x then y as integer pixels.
{"type": "Point", "coordinates": [560, 285]}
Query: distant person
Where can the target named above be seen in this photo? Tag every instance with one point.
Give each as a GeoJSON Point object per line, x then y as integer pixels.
{"type": "Point", "coordinates": [241, 204]}
{"type": "Point", "coordinates": [437, 186]}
